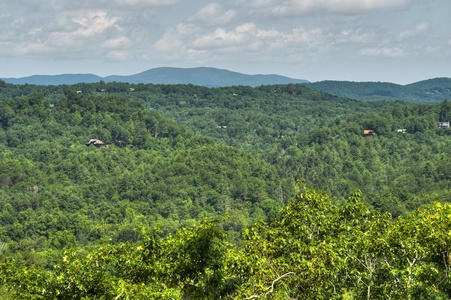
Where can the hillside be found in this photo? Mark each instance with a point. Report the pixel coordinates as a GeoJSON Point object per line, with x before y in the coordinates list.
{"type": "Point", "coordinates": [55, 192]}
{"type": "Point", "coordinates": [54, 79]}
{"type": "Point", "coordinates": [319, 137]}
{"type": "Point", "coordinates": [304, 133]}
{"type": "Point", "coordinates": [192, 195]}
{"type": "Point", "coordinates": [210, 77]}
{"type": "Point", "coordinates": [202, 76]}
{"type": "Point", "coordinates": [427, 91]}
{"type": "Point", "coordinates": [282, 123]}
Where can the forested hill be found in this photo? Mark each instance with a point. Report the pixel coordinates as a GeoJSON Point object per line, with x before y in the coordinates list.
{"type": "Point", "coordinates": [302, 133]}
{"type": "Point", "coordinates": [427, 91]}
{"type": "Point", "coordinates": [56, 192]}
{"type": "Point", "coordinates": [187, 192]}
{"type": "Point", "coordinates": [319, 137]}
{"type": "Point", "coordinates": [210, 77]}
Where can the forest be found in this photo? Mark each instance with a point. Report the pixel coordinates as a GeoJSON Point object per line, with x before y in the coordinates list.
{"type": "Point", "coordinates": [426, 91]}
{"type": "Point", "coordinates": [270, 192]}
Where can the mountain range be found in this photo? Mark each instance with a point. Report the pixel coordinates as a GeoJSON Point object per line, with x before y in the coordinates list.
{"type": "Point", "coordinates": [203, 76]}
{"type": "Point", "coordinates": [427, 91]}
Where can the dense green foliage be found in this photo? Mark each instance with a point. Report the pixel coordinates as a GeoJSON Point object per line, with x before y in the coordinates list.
{"type": "Point", "coordinates": [79, 222]}
{"type": "Point", "coordinates": [397, 171]}
{"type": "Point", "coordinates": [312, 135]}
{"type": "Point", "coordinates": [55, 192]}
{"type": "Point", "coordinates": [426, 91]}
{"type": "Point", "coordinates": [315, 250]}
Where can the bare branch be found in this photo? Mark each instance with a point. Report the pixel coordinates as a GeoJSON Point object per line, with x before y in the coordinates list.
{"type": "Point", "coordinates": [445, 259]}
{"type": "Point", "coordinates": [271, 288]}
{"type": "Point", "coordinates": [120, 295]}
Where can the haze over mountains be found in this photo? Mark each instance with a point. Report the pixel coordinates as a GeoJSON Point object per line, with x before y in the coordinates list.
{"type": "Point", "coordinates": [210, 77]}
{"type": "Point", "coordinates": [427, 91]}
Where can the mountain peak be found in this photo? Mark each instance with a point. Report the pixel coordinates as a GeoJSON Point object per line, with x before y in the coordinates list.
{"type": "Point", "coordinates": [203, 76]}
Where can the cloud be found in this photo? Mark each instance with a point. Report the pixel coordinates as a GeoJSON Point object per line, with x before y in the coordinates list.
{"type": "Point", "coordinates": [174, 38]}
{"type": "Point", "coordinates": [222, 38]}
{"type": "Point", "coordinates": [76, 33]}
{"type": "Point", "coordinates": [285, 33]}
{"type": "Point", "coordinates": [81, 29]}
{"type": "Point", "coordinates": [119, 42]}
{"type": "Point", "coordinates": [420, 29]}
{"type": "Point", "coordinates": [92, 23]}
{"type": "Point", "coordinates": [59, 6]}
{"type": "Point", "coordinates": [392, 52]}
{"type": "Point", "coordinates": [134, 3]}
{"type": "Point", "coordinates": [213, 14]}
{"type": "Point", "coordinates": [84, 28]}
{"type": "Point", "coordinates": [291, 8]}
{"type": "Point", "coordinates": [354, 36]}
{"type": "Point", "coordinates": [246, 39]}
{"type": "Point", "coordinates": [117, 55]}
{"type": "Point", "coordinates": [243, 41]}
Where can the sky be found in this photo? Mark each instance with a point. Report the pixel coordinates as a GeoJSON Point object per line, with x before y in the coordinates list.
{"type": "Point", "coordinates": [400, 41]}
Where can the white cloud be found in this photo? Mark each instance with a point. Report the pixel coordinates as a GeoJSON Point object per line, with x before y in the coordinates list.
{"type": "Point", "coordinates": [392, 52]}
{"type": "Point", "coordinates": [118, 55]}
{"type": "Point", "coordinates": [173, 39]}
{"type": "Point", "coordinates": [352, 36]}
{"type": "Point", "coordinates": [168, 42]}
{"type": "Point", "coordinates": [93, 23]}
{"type": "Point", "coordinates": [417, 31]}
{"type": "Point", "coordinates": [222, 38]}
{"type": "Point", "coordinates": [247, 38]}
{"type": "Point", "coordinates": [213, 14]}
{"type": "Point", "coordinates": [134, 3]}
{"type": "Point", "coordinates": [59, 6]}
{"type": "Point", "coordinates": [281, 33]}
{"type": "Point", "coordinates": [243, 40]}
{"type": "Point", "coordinates": [82, 29]}
{"type": "Point", "coordinates": [69, 33]}
{"type": "Point", "coordinates": [119, 42]}
{"type": "Point", "coordinates": [302, 7]}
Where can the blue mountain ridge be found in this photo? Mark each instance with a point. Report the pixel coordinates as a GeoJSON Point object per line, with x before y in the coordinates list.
{"type": "Point", "coordinates": [204, 76]}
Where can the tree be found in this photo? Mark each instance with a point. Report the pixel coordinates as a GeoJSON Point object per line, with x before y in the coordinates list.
{"type": "Point", "coordinates": [187, 265]}
{"type": "Point", "coordinates": [445, 111]}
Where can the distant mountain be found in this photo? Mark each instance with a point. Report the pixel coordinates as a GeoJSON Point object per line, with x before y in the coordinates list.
{"type": "Point", "coordinates": [55, 79]}
{"type": "Point", "coordinates": [426, 91]}
{"type": "Point", "coordinates": [203, 76]}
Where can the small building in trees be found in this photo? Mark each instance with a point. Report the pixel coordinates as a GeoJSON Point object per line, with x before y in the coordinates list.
{"type": "Point", "coordinates": [443, 124]}
{"type": "Point", "coordinates": [369, 132]}
{"type": "Point", "coordinates": [96, 143]}
{"type": "Point", "coordinates": [99, 143]}
{"type": "Point", "coordinates": [401, 130]}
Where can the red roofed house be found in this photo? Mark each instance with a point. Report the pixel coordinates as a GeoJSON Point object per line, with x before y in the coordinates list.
{"type": "Point", "coordinates": [369, 132]}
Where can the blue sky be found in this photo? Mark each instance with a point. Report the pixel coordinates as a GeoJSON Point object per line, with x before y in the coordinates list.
{"type": "Point", "coordinates": [401, 41]}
